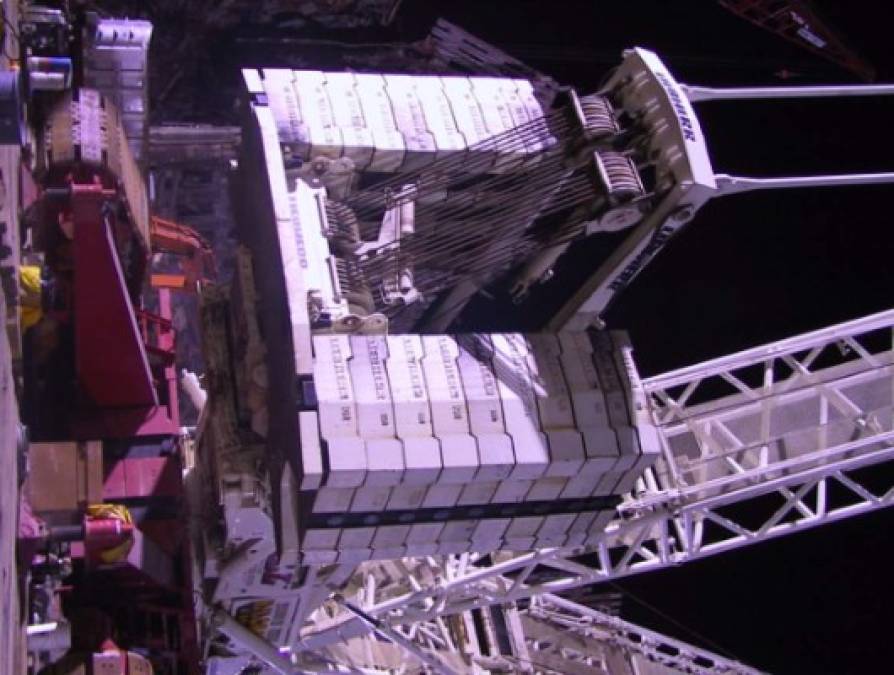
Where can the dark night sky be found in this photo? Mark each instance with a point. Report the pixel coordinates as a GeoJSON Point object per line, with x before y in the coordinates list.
{"type": "Point", "coordinates": [750, 269]}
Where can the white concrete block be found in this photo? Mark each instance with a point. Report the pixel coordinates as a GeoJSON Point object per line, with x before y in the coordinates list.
{"type": "Point", "coordinates": [454, 547]}
{"type": "Point", "coordinates": [422, 452]}
{"type": "Point", "coordinates": [335, 392]}
{"type": "Point", "coordinates": [521, 533]}
{"type": "Point", "coordinates": [372, 390]}
{"type": "Point", "coordinates": [459, 455]}
{"type": "Point", "coordinates": [597, 527]}
{"type": "Point", "coordinates": [477, 492]}
{"type": "Point", "coordinates": [579, 528]}
{"type": "Point", "coordinates": [486, 421]}
{"type": "Point", "coordinates": [390, 148]}
{"type": "Point", "coordinates": [488, 534]}
{"type": "Point", "coordinates": [519, 408]}
{"type": "Point", "coordinates": [390, 536]}
{"type": "Point", "coordinates": [457, 530]}
{"type": "Point", "coordinates": [385, 457]}
{"type": "Point", "coordinates": [556, 525]}
{"type": "Point", "coordinates": [488, 529]}
{"type": "Point", "coordinates": [410, 120]}
{"type": "Point", "coordinates": [333, 500]}
{"type": "Point", "coordinates": [525, 92]}
{"type": "Point", "coordinates": [347, 112]}
{"type": "Point", "coordinates": [315, 557]}
{"type": "Point", "coordinates": [456, 536]}
{"type": "Point", "coordinates": [408, 386]}
{"type": "Point", "coordinates": [511, 491]}
{"type": "Point", "coordinates": [584, 386]}
{"type": "Point", "coordinates": [546, 489]}
{"type": "Point", "coordinates": [404, 496]}
{"type": "Point", "coordinates": [283, 103]}
{"type": "Point", "coordinates": [356, 537]}
{"type": "Point", "coordinates": [423, 460]}
{"type": "Point", "coordinates": [469, 117]}
{"type": "Point", "coordinates": [370, 498]}
{"type": "Point", "coordinates": [445, 387]}
{"type": "Point", "coordinates": [449, 416]}
{"type": "Point", "coordinates": [354, 555]}
{"type": "Point", "coordinates": [439, 116]}
{"type": "Point", "coordinates": [311, 451]}
{"type": "Point", "coordinates": [608, 484]}
{"type": "Point", "coordinates": [421, 549]}
{"type": "Point", "coordinates": [442, 495]}
{"type": "Point", "coordinates": [601, 448]}
{"type": "Point", "coordinates": [627, 481]}
{"type": "Point", "coordinates": [649, 444]}
{"type": "Point", "coordinates": [511, 151]}
{"type": "Point", "coordinates": [612, 386]}
{"type": "Point", "coordinates": [592, 475]}
{"type": "Point", "coordinates": [566, 453]}
{"type": "Point", "coordinates": [375, 417]}
{"type": "Point", "coordinates": [325, 539]}
{"type": "Point", "coordinates": [628, 445]}
{"type": "Point", "coordinates": [423, 539]}
{"type": "Point", "coordinates": [347, 462]}
{"type": "Point", "coordinates": [554, 405]}
{"type": "Point", "coordinates": [519, 113]}
{"type": "Point", "coordinates": [316, 113]}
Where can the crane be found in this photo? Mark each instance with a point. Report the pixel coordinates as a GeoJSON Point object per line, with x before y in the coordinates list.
{"type": "Point", "coordinates": [388, 538]}
{"type": "Point", "coordinates": [374, 483]}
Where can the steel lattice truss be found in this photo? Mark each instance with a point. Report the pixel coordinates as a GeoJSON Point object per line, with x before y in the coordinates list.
{"type": "Point", "coordinates": [759, 444]}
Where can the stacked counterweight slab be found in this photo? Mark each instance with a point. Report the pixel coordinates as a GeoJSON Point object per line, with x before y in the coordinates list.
{"type": "Point", "coordinates": [396, 123]}
{"type": "Point", "coordinates": [432, 444]}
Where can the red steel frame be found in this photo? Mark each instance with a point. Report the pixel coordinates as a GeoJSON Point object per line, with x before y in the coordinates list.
{"type": "Point", "coordinates": [124, 357]}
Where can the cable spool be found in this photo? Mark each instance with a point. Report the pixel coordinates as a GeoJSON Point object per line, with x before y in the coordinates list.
{"type": "Point", "coordinates": [623, 189]}
{"type": "Point", "coordinates": [344, 228]}
{"type": "Point", "coordinates": [619, 176]}
{"type": "Point", "coordinates": [593, 124]}
{"type": "Point", "coordinates": [84, 137]}
{"type": "Point", "coordinates": [598, 116]}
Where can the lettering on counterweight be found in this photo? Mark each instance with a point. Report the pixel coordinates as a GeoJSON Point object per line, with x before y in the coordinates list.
{"type": "Point", "coordinates": [661, 237]}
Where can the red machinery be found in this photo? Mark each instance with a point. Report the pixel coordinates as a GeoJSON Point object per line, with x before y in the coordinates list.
{"type": "Point", "coordinates": [196, 257]}
{"type": "Point", "coordinates": [105, 488]}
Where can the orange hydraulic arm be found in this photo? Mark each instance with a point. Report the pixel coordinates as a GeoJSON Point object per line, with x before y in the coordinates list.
{"type": "Point", "coordinates": [196, 256]}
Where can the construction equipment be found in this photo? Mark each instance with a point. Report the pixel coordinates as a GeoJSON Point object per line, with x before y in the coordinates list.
{"type": "Point", "coordinates": [428, 476]}
{"type": "Point", "coordinates": [195, 256]}
{"type": "Point", "coordinates": [370, 488]}
{"type": "Point", "coordinates": [103, 539]}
